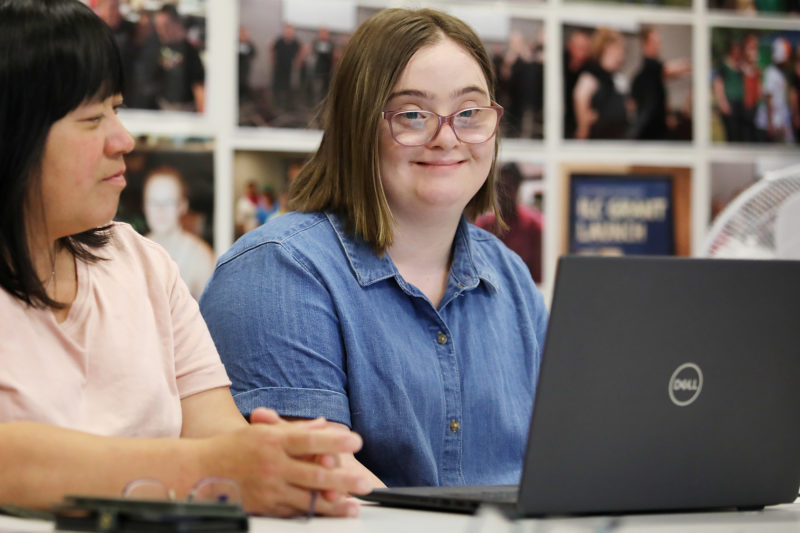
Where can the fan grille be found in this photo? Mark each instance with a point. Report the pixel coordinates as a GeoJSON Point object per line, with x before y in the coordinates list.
{"type": "Point", "coordinates": [745, 228]}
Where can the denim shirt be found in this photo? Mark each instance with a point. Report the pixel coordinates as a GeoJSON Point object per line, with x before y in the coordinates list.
{"type": "Point", "coordinates": [310, 321]}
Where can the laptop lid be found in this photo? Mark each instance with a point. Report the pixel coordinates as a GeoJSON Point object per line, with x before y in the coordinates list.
{"type": "Point", "coordinates": [666, 384]}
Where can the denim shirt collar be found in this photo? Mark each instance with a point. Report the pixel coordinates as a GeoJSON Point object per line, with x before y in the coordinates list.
{"type": "Point", "coordinates": [468, 269]}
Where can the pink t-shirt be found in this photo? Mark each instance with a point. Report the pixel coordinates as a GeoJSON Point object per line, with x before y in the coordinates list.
{"type": "Point", "coordinates": [133, 345]}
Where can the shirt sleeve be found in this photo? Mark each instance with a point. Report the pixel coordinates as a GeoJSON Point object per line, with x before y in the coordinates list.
{"type": "Point", "coordinates": [197, 364]}
{"type": "Point", "coordinates": [197, 73]}
{"type": "Point", "coordinates": [276, 329]}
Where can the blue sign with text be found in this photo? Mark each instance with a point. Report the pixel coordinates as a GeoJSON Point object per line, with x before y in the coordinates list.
{"type": "Point", "coordinates": [621, 215]}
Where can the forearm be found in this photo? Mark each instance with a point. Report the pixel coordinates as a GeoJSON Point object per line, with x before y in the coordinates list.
{"type": "Point", "coordinates": [199, 92]}
{"type": "Point", "coordinates": [41, 463]}
{"type": "Point", "coordinates": [210, 413]}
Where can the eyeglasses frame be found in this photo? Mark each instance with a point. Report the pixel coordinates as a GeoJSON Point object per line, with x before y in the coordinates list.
{"type": "Point", "coordinates": [389, 115]}
{"type": "Point", "coordinates": [170, 493]}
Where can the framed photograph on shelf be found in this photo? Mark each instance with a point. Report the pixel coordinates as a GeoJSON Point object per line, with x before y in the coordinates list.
{"type": "Point", "coordinates": [520, 189]}
{"type": "Point", "coordinates": [631, 81]}
{"type": "Point", "coordinates": [623, 210]}
{"type": "Point", "coordinates": [287, 51]}
{"type": "Point", "coordinates": [170, 200]}
{"type": "Point", "coordinates": [260, 185]}
{"type": "Point", "coordinates": [755, 86]}
{"type": "Point", "coordinates": [162, 44]}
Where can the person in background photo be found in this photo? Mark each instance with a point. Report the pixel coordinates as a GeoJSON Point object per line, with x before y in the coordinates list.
{"type": "Point", "coordinates": [600, 107]}
{"type": "Point", "coordinates": [522, 73]}
{"type": "Point", "coordinates": [246, 52]}
{"type": "Point", "coordinates": [181, 75]}
{"type": "Point", "coordinates": [374, 303]}
{"type": "Point", "coordinates": [575, 59]}
{"type": "Point", "coordinates": [285, 56]}
{"type": "Point", "coordinates": [751, 77]}
{"type": "Point", "coordinates": [125, 34]}
{"type": "Point", "coordinates": [109, 373]}
{"type": "Point", "coordinates": [165, 202]}
{"type": "Point", "coordinates": [649, 91]}
{"type": "Point", "coordinates": [794, 93]}
{"type": "Point", "coordinates": [323, 50]}
{"type": "Point", "coordinates": [773, 117]}
{"type": "Point", "coordinates": [728, 88]}
{"type": "Point", "coordinates": [524, 224]}
{"type": "Point", "coordinates": [246, 210]}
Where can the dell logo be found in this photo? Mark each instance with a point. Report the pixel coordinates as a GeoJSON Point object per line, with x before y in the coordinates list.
{"type": "Point", "coordinates": [685, 384]}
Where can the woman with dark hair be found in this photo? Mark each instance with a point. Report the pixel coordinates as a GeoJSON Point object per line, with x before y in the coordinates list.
{"type": "Point", "coordinates": [375, 304]}
{"type": "Point", "coordinates": [106, 360]}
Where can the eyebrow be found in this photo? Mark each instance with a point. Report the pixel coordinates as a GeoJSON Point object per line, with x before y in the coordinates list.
{"type": "Point", "coordinates": [429, 96]}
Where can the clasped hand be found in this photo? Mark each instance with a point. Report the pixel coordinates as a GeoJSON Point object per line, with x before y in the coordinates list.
{"type": "Point", "coordinates": [278, 464]}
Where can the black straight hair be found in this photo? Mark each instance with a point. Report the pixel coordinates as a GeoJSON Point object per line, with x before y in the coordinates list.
{"type": "Point", "coordinates": [54, 56]}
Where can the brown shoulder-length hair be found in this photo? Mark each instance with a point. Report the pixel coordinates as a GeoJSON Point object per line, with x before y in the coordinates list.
{"type": "Point", "coordinates": [343, 176]}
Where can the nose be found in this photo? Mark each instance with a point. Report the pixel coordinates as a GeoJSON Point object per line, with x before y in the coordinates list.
{"type": "Point", "coordinates": [119, 141]}
{"type": "Point", "coordinates": [445, 137]}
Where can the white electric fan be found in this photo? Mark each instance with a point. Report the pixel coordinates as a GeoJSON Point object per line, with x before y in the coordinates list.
{"type": "Point", "coordinates": [763, 222]}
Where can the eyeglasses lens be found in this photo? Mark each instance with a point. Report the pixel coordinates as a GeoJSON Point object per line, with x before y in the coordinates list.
{"type": "Point", "coordinates": [416, 128]}
{"type": "Point", "coordinates": [147, 489]}
{"type": "Point", "coordinates": [216, 490]}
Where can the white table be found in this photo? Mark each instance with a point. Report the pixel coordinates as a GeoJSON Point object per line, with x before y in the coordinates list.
{"type": "Point", "coordinates": [377, 519]}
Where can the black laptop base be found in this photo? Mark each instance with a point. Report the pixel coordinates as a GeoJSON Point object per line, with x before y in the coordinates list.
{"type": "Point", "coordinates": [467, 500]}
{"type": "Point", "coordinates": [449, 499]}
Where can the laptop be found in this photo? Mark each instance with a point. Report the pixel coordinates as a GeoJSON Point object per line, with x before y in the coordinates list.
{"type": "Point", "coordinates": [666, 384]}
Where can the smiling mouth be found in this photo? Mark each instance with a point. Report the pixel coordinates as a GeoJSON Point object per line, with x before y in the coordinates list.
{"type": "Point", "coordinates": [442, 164]}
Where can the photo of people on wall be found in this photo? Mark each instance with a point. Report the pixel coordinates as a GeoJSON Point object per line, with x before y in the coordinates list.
{"type": "Point", "coordinates": [162, 46]}
{"type": "Point", "coordinates": [288, 51]}
{"type": "Point", "coordinates": [261, 184]}
{"type": "Point", "coordinates": [286, 54]}
{"type": "Point", "coordinates": [755, 86]}
{"type": "Point", "coordinates": [627, 83]}
{"type": "Point", "coordinates": [520, 192]}
{"type": "Point", "coordinates": [170, 200]}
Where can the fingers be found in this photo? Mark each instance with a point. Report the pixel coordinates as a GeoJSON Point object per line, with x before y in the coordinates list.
{"type": "Point", "coordinates": [262, 415]}
{"type": "Point", "coordinates": [313, 476]}
{"type": "Point", "coordinates": [331, 495]}
{"type": "Point", "coordinates": [329, 461]}
{"type": "Point", "coordinates": [300, 499]}
{"type": "Point", "coordinates": [300, 441]}
{"type": "Point", "coordinates": [348, 508]}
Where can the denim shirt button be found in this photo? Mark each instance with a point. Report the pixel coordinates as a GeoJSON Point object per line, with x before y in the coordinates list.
{"type": "Point", "coordinates": [454, 426]}
{"type": "Point", "coordinates": [441, 338]}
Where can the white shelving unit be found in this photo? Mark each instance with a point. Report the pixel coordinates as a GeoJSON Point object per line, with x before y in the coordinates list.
{"type": "Point", "coordinates": [219, 122]}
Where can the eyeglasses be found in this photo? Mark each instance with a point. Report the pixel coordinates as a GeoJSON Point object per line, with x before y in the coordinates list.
{"type": "Point", "coordinates": [210, 489]}
{"type": "Point", "coordinates": [418, 127]}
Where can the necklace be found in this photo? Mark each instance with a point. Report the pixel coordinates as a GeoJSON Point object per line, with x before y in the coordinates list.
{"type": "Point", "coordinates": [52, 272]}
